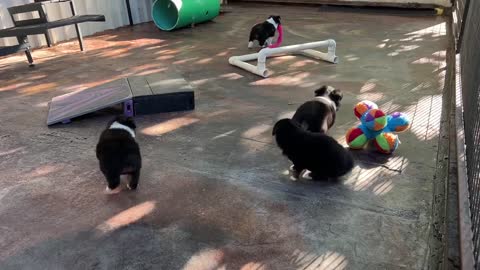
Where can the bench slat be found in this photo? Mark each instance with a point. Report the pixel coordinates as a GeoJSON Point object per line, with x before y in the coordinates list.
{"type": "Point", "coordinates": [75, 20]}
{"type": "Point", "coordinates": [25, 8]}
{"type": "Point", "coordinates": [41, 28]}
{"type": "Point", "coordinates": [30, 22]}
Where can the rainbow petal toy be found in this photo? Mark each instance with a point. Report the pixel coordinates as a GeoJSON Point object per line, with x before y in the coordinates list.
{"type": "Point", "coordinates": [376, 126]}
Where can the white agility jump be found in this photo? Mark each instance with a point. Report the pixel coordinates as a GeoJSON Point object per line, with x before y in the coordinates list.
{"type": "Point", "coordinates": [304, 49]}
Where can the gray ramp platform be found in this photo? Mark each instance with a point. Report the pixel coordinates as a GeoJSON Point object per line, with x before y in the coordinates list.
{"type": "Point", "coordinates": [161, 92]}
{"type": "Point", "coordinates": [156, 93]}
{"type": "Point", "coordinates": [65, 107]}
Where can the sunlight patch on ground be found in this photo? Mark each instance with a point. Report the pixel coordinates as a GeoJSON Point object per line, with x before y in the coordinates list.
{"type": "Point", "coordinates": [285, 80]}
{"type": "Point", "coordinates": [43, 170]}
{"type": "Point", "coordinates": [207, 259]}
{"type": "Point", "coordinates": [253, 266]}
{"type": "Point", "coordinates": [225, 134]}
{"type": "Point", "coordinates": [375, 97]}
{"type": "Point", "coordinates": [329, 260]}
{"type": "Point", "coordinates": [168, 126]}
{"type": "Point", "coordinates": [403, 48]}
{"type": "Point", "coordinates": [252, 147]}
{"type": "Point", "coordinates": [256, 130]}
{"type": "Point", "coordinates": [303, 63]}
{"type": "Point", "coordinates": [13, 86]}
{"type": "Point", "coordinates": [369, 85]}
{"type": "Point", "coordinates": [127, 217]}
{"type": "Point", "coordinates": [231, 76]}
{"type": "Point", "coordinates": [184, 61]}
{"type": "Point", "coordinates": [38, 88]}
{"type": "Point", "coordinates": [425, 117]}
{"type": "Point", "coordinates": [376, 178]}
{"type": "Point", "coordinates": [434, 31]}
{"type": "Point", "coordinates": [12, 151]}
{"type": "Point", "coordinates": [204, 60]}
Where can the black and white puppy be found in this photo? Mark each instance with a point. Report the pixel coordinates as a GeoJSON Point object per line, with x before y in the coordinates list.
{"type": "Point", "coordinates": [318, 115]}
{"type": "Point", "coordinates": [264, 32]}
{"type": "Point", "coordinates": [319, 153]}
{"type": "Point", "coordinates": [119, 153]}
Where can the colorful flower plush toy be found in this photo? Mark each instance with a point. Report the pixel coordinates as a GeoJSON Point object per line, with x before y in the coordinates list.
{"type": "Point", "coordinates": [376, 126]}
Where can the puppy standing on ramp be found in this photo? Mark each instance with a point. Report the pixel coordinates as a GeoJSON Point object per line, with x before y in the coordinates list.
{"type": "Point", "coordinates": [119, 153]}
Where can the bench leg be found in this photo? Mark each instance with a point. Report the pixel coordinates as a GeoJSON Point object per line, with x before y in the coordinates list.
{"type": "Point", "coordinates": [29, 57]}
{"type": "Point", "coordinates": [79, 36]}
{"type": "Point", "coordinates": [77, 27]}
{"type": "Point", "coordinates": [129, 12]}
{"type": "Point", "coordinates": [24, 40]}
{"type": "Point", "coordinates": [47, 38]}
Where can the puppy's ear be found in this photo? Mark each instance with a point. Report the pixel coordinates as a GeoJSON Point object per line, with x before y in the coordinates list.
{"type": "Point", "coordinates": [277, 19]}
{"type": "Point", "coordinates": [118, 118]}
{"type": "Point", "coordinates": [336, 96]}
{"type": "Point", "coordinates": [321, 91]}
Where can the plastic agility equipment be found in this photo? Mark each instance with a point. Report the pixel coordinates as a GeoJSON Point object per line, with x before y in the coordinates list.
{"type": "Point", "coordinates": [304, 49]}
{"type": "Point", "coordinates": [173, 14]}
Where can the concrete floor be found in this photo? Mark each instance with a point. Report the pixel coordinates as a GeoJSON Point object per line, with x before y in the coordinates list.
{"type": "Point", "coordinates": [213, 192]}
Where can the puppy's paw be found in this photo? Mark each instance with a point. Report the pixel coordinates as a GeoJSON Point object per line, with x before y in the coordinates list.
{"type": "Point", "coordinates": [293, 178]}
{"type": "Point", "coordinates": [307, 175]}
{"type": "Point", "coordinates": [112, 191]}
{"type": "Point", "coordinates": [250, 44]}
{"type": "Point", "coordinates": [292, 168]}
{"type": "Point", "coordinates": [295, 175]}
{"type": "Point", "coordinates": [130, 187]}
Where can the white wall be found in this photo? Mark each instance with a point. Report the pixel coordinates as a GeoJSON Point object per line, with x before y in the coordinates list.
{"type": "Point", "coordinates": [115, 12]}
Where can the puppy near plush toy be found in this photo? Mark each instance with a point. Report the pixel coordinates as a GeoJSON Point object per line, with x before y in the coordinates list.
{"type": "Point", "coordinates": [319, 153]}
{"type": "Point", "coordinates": [318, 115]}
{"type": "Point", "coordinates": [119, 154]}
{"type": "Point", "coordinates": [264, 32]}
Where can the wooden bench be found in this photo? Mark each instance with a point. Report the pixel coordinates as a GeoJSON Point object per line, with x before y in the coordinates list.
{"type": "Point", "coordinates": [40, 25]}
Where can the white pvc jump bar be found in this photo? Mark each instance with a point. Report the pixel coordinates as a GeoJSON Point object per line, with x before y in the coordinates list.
{"type": "Point", "coordinates": [304, 49]}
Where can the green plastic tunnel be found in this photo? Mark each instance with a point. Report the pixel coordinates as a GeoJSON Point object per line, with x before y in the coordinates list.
{"type": "Point", "coordinates": [173, 14]}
